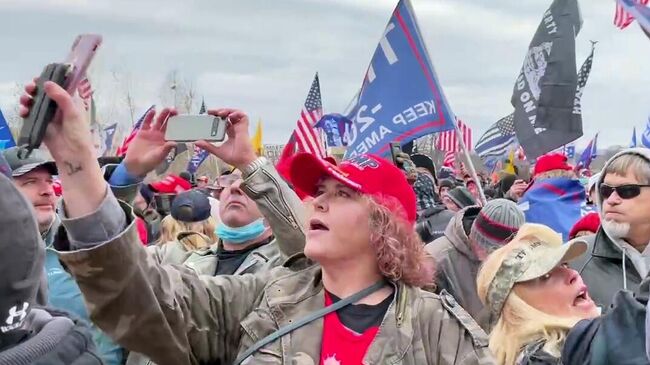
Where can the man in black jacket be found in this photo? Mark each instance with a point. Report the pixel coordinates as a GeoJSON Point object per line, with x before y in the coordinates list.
{"type": "Point", "coordinates": [30, 334]}
{"type": "Point", "coordinates": [616, 258]}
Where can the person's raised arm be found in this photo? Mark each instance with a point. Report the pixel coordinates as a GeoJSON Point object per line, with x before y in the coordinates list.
{"type": "Point", "coordinates": [278, 203]}
{"type": "Point", "coordinates": [165, 312]}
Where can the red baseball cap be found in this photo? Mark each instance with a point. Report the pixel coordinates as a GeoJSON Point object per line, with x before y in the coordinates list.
{"type": "Point", "coordinates": [369, 174]}
{"type": "Point", "coordinates": [172, 184]}
{"type": "Point", "coordinates": [550, 162]}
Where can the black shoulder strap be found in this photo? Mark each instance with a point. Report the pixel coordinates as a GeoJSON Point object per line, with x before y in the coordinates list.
{"type": "Point", "coordinates": [310, 318]}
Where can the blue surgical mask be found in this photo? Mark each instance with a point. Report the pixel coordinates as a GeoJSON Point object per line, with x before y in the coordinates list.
{"type": "Point", "coordinates": [239, 235]}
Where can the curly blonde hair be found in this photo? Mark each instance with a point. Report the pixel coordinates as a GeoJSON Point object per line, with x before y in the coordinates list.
{"type": "Point", "coordinates": [400, 251]}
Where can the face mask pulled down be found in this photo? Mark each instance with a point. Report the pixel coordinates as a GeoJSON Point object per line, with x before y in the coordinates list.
{"type": "Point", "coordinates": [240, 235]}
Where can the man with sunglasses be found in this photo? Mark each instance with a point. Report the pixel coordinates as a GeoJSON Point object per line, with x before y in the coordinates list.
{"type": "Point", "coordinates": [617, 254]}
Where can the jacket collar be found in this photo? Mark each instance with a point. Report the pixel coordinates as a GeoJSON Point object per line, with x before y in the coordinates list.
{"type": "Point", "coordinates": [604, 247]}
{"type": "Point", "coordinates": [205, 262]}
{"type": "Point", "coordinates": [288, 304]}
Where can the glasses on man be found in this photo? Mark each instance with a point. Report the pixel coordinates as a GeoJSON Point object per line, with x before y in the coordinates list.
{"type": "Point", "coordinates": [627, 191]}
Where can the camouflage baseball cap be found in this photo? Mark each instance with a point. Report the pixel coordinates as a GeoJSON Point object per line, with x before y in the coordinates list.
{"type": "Point", "coordinates": [531, 261]}
{"type": "Point", "coordinates": [21, 166]}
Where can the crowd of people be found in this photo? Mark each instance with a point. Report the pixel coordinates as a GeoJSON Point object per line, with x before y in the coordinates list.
{"type": "Point", "coordinates": [378, 263]}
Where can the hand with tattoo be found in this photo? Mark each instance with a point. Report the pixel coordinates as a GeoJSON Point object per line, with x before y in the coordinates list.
{"type": "Point", "coordinates": [70, 143]}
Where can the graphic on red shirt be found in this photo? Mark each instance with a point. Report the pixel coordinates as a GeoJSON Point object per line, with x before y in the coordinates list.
{"type": "Point", "coordinates": [341, 346]}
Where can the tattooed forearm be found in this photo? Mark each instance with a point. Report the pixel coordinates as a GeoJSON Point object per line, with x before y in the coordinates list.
{"type": "Point", "coordinates": [72, 168]}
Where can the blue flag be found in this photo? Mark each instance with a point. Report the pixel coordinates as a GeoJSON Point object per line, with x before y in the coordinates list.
{"type": "Point", "coordinates": [570, 151]}
{"type": "Point", "coordinates": [336, 128]}
{"type": "Point", "coordinates": [6, 138]}
{"type": "Point", "coordinates": [400, 98]}
{"type": "Point", "coordinates": [590, 152]}
{"type": "Point", "coordinates": [633, 141]}
{"type": "Point", "coordinates": [197, 159]}
{"type": "Point", "coordinates": [557, 203]}
{"type": "Point", "coordinates": [109, 133]}
{"type": "Point", "coordinates": [645, 138]}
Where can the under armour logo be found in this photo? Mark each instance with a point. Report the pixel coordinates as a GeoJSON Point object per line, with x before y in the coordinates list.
{"type": "Point", "coordinates": [14, 314]}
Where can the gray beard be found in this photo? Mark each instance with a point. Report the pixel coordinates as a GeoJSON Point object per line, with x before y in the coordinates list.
{"type": "Point", "coordinates": [615, 229]}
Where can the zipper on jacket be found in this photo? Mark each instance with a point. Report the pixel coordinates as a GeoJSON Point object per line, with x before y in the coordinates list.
{"type": "Point", "coordinates": [288, 217]}
{"type": "Point", "coordinates": [401, 307]}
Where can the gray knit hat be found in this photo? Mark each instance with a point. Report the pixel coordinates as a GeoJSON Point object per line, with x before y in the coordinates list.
{"type": "Point", "coordinates": [496, 224]}
{"type": "Point", "coordinates": [461, 197]}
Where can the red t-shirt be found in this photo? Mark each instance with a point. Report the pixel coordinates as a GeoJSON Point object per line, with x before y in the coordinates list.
{"type": "Point", "coordinates": [340, 345]}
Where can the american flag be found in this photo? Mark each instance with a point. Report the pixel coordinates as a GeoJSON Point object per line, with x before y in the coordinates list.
{"type": "Point", "coordinates": [121, 151]}
{"type": "Point", "coordinates": [498, 139]}
{"type": "Point", "coordinates": [304, 138]}
{"type": "Point", "coordinates": [307, 139]}
{"type": "Point", "coordinates": [621, 17]}
{"type": "Point", "coordinates": [85, 91]}
{"type": "Point", "coordinates": [448, 142]}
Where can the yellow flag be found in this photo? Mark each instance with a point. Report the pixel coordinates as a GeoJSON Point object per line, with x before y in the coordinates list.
{"type": "Point", "coordinates": [257, 139]}
{"type": "Point", "coordinates": [509, 166]}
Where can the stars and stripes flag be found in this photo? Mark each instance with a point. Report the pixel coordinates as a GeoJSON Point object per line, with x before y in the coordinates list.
{"type": "Point", "coordinates": [121, 151]}
{"type": "Point", "coordinates": [448, 142]}
{"type": "Point", "coordinates": [86, 92]}
{"type": "Point", "coordinates": [497, 141]}
{"type": "Point", "coordinates": [304, 137]}
{"type": "Point", "coordinates": [622, 18]}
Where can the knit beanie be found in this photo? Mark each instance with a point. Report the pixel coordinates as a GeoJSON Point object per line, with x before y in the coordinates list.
{"type": "Point", "coordinates": [21, 262]}
{"type": "Point", "coordinates": [496, 224]}
{"type": "Point", "coordinates": [590, 223]}
{"type": "Point", "coordinates": [461, 197]}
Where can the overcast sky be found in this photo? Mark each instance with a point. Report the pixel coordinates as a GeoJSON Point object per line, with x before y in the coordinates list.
{"type": "Point", "coordinates": [261, 55]}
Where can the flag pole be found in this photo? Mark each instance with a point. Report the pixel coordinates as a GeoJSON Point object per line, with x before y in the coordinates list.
{"type": "Point", "coordinates": [470, 164]}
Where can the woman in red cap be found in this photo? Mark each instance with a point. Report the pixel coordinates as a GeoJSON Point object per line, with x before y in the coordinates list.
{"type": "Point", "coordinates": [360, 303]}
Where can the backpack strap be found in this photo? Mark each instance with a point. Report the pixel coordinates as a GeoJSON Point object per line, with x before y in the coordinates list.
{"type": "Point", "coordinates": [308, 319]}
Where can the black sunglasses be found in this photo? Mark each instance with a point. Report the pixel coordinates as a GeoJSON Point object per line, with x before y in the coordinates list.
{"type": "Point", "coordinates": [627, 191]}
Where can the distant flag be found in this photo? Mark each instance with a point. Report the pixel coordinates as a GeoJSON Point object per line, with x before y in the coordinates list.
{"type": "Point", "coordinates": [257, 139]}
{"type": "Point", "coordinates": [197, 159]}
{"type": "Point", "coordinates": [623, 16]}
{"type": "Point", "coordinates": [645, 138]}
{"type": "Point", "coordinates": [570, 151]}
{"type": "Point", "coordinates": [304, 138]}
{"type": "Point", "coordinates": [203, 110]}
{"type": "Point", "coordinates": [109, 134]}
{"type": "Point", "coordinates": [448, 142]}
{"type": "Point", "coordinates": [509, 166]}
{"type": "Point", "coordinates": [633, 141]}
{"type": "Point", "coordinates": [497, 140]}
{"type": "Point", "coordinates": [6, 138]}
{"type": "Point", "coordinates": [583, 75]}
{"type": "Point", "coordinates": [521, 154]}
{"type": "Point", "coordinates": [121, 151]}
{"type": "Point", "coordinates": [336, 128]}
{"type": "Point", "coordinates": [590, 152]}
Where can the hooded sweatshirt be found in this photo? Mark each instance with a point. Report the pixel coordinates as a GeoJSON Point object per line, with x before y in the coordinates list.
{"type": "Point", "coordinates": [457, 265]}
{"type": "Point", "coordinates": [610, 263]}
{"type": "Point", "coordinates": [30, 334]}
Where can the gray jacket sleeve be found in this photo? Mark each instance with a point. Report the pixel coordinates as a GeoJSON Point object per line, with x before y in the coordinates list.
{"type": "Point", "coordinates": [280, 206]}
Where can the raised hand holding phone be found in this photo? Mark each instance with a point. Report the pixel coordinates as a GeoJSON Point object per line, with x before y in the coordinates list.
{"type": "Point", "coordinates": [238, 150]}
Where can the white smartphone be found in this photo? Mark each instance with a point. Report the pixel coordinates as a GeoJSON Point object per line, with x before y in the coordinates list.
{"type": "Point", "coordinates": [190, 128]}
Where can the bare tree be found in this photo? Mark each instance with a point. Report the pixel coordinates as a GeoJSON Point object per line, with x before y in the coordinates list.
{"type": "Point", "coordinates": [178, 91]}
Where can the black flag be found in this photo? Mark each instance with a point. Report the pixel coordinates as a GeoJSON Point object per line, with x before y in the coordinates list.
{"type": "Point", "coordinates": [545, 91]}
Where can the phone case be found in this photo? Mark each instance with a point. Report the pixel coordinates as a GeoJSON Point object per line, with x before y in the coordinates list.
{"type": "Point", "coordinates": [42, 111]}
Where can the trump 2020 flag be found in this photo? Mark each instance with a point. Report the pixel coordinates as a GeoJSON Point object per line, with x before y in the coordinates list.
{"type": "Point", "coordinates": [645, 138]}
{"type": "Point", "coordinates": [6, 138]}
{"type": "Point", "coordinates": [197, 159]}
{"type": "Point", "coordinates": [400, 98]}
{"type": "Point", "coordinates": [557, 203]}
{"type": "Point", "coordinates": [546, 116]}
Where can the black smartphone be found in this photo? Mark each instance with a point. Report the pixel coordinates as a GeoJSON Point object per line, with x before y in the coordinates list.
{"type": "Point", "coordinates": [395, 150]}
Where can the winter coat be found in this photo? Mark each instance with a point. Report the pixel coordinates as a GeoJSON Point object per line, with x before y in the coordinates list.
{"type": "Point", "coordinates": [457, 266]}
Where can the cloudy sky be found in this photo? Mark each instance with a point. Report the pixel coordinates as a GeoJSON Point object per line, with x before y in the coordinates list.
{"type": "Point", "coordinates": [261, 55]}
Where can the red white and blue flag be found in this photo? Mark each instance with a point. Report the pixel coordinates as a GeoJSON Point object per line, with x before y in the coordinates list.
{"type": "Point", "coordinates": [121, 151]}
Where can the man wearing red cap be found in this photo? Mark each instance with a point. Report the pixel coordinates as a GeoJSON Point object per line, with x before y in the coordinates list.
{"type": "Point", "coordinates": [555, 198]}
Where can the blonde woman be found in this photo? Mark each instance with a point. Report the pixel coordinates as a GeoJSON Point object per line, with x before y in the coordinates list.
{"type": "Point", "coordinates": [190, 227]}
{"type": "Point", "coordinates": [545, 314]}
